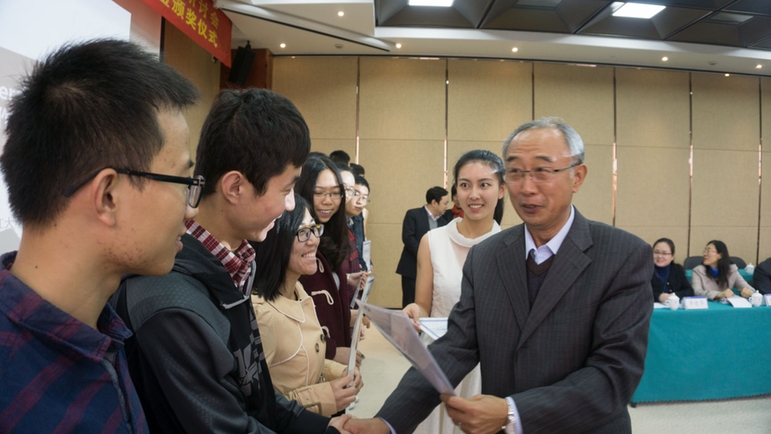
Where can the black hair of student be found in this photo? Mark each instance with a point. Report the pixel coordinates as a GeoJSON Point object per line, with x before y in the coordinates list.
{"type": "Point", "coordinates": [723, 264]}
{"type": "Point", "coordinates": [334, 243]}
{"type": "Point", "coordinates": [668, 242]}
{"type": "Point", "coordinates": [494, 162]}
{"type": "Point", "coordinates": [274, 252]}
{"type": "Point", "coordinates": [340, 157]}
{"type": "Point", "coordinates": [435, 194]}
{"type": "Point", "coordinates": [453, 191]}
{"type": "Point", "coordinates": [85, 107]}
{"type": "Point", "coordinates": [256, 132]}
{"type": "Point", "coordinates": [357, 169]}
{"type": "Point", "coordinates": [360, 180]}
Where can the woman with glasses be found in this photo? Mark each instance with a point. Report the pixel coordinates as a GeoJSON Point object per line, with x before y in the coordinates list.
{"type": "Point", "coordinates": [717, 274]}
{"type": "Point", "coordinates": [292, 338]}
{"type": "Point", "coordinates": [668, 277]}
{"type": "Point", "coordinates": [479, 180]}
{"type": "Point", "coordinates": [322, 187]}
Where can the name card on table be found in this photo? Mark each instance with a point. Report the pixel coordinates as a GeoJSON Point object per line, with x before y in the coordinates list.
{"type": "Point", "coordinates": [767, 299]}
{"type": "Point", "coordinates": [695, 302]}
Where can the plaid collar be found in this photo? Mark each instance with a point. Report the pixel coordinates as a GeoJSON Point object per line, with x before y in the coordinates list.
{"type": "Point", "coordinates": [236, 262]}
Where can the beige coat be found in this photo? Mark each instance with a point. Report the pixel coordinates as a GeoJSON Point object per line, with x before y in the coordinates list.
{"type": "Point", "coordinates": [294, 350]}
{"type": "Point", "coordinates": [707, 285]}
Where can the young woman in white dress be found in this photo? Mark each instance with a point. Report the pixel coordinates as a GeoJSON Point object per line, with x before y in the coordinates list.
{"type": "Point", "coordinates": [478, 178]}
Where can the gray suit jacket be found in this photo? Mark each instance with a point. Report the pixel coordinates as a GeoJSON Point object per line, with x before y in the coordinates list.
{"type": "Point", "coordinates": [571, 363]}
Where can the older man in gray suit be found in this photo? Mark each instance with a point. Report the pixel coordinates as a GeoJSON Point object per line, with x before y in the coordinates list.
{"type": "Point", "coordinates": [556, 310]}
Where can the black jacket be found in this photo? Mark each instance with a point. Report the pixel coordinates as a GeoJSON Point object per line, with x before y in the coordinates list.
{"type": "Point", "coordinates": [415, 225]}
{"type": "Point", "coordinates": [676, 282]}
{"type": "Point", "coordinates": [761, 279]}
{"type": "Point", "coordinates": [194, 356]}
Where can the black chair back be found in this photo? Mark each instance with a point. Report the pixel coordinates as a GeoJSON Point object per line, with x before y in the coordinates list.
{"type": "Point", "coordinates": [692, 261]}
{"type": "Point", "coordinates": [738, 261]}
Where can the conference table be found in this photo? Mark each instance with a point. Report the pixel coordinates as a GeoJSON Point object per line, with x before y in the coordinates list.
{"type": "Point", "coordinates": [718, 353]}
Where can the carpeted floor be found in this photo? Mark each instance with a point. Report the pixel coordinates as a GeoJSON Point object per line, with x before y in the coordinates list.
{"type": "Point", "coordinates": [383, 367]}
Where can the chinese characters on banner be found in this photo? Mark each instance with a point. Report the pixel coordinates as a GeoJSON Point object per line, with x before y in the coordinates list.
{"type": "Point", "coordinates": [208, 27]}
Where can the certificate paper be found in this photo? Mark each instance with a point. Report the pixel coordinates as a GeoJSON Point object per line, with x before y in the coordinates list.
{"type": "Point", "coordinates": [435, 328]}
{"type": "Point", "coordinates": [365, 292]}
{"type": "Point", "coordinates": [366, 255]}
{"type": "Point", "coordinates": [399, 331]}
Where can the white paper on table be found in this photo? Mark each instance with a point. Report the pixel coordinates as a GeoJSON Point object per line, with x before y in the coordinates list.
{"type": "Point", "coordinates": [737, 301]}
{"type": "Point", "coordinates": [657, 305]}
{"type": "Point", "coordinates": [435, 328]}
{"type": "Point", "coordinates": [364, 292]}
{"type": "Point", "coordinates": [398, 329]}
{"type": "Point", "coordinates": [366, 255]}
{"type": "Point", "coordinates": [354, 344]}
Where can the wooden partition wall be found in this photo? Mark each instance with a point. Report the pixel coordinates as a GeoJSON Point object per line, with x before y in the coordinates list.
{"type": "Point", "coordinates": [670, 153]}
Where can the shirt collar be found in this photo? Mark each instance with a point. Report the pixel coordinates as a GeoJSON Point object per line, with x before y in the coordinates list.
{"type": "Point", "coordinates": [430, 215]}
{"type": "Point", "coordinates": [550, 248]}
{"type": "Point", "coordinates": [236, 263]}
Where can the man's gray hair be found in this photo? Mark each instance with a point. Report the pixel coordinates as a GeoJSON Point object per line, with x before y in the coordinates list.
{"type": "Point", "coordinates": [575, 144]}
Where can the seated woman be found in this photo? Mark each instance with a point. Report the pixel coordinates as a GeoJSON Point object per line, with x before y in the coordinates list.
{"type": "Point", "coordinates": [717, 274]}
{"type": "Point", "coordinates": [292, 338]}
{"type": "Point", "coordinates": [668, 277]}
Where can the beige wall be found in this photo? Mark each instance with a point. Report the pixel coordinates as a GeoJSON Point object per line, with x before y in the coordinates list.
{"type": "Point", "coordinates": [195, 63]}
{"type": "Point", "coordinates": [409, 108]}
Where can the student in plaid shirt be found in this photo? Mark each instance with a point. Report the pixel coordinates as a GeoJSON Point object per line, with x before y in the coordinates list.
{"type": "Point", "coordinates": [96, 164]}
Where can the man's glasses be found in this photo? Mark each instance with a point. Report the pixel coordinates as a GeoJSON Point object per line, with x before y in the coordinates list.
{"type": "Point", "coordinates": [321, 194]}
{"type": "Point", "coordinates": [539, 174]}
{"type": "Point", "coordinates": [194, 185]}
{"type": "Point", "coordinates": [357, 196]}
{"type": "Point", "coordinates": [304, 234]}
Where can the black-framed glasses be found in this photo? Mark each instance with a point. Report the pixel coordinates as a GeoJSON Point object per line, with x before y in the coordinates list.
{"type": "Point", "coordinates": [539, 174]}
{"type": "Point", "coordinates": [304, 234]}
{"type": "Point", "coordinates": [194, 185]}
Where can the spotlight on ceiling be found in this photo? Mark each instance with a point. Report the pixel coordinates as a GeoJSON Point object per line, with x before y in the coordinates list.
{"type": "Point", "coordinates": [436, 3]}
{"type": "Point", "coordinates": [635, 10]}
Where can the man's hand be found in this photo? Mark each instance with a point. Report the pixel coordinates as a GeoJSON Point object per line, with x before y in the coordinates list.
{"type": "Point", "coordinates": [481, 414]}
{"type": "Point", "coordinates": [367, 426]}
{"type": "Point", "coordinates": [339, 423]}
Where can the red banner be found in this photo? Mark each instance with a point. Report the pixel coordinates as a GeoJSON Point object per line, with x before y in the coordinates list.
{"type": "Point", "coordinates": [208, 27]}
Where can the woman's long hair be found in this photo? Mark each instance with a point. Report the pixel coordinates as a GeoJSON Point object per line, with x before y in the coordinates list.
{"type": "Point", "coordinates": [274, 252]}
{"type": "Point", "coordinates": [334, 243]}
{"type": "Point", "coordinates": [491, 160]}
{"type": "Point", "coordinates": [723, 264]}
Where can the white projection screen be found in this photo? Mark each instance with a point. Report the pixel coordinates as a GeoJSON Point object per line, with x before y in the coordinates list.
{"type": "Point", "coordinates": [30, 29]}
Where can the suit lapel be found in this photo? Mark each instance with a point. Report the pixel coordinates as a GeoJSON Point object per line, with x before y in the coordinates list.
{"type": "Point", "coordinates": [511, 262]}
{"type": "Point", "coordinates": [568, 264]}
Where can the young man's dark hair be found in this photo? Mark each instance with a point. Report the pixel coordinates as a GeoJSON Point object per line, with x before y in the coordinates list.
{"type": "Point", "coordinates": [74, 118]}
{"type": "Point", "coordinates": [239, 126]}
{"type": "Point", "coordinates": [435, 194]}
{"type": "Point", "coordinates": [97, 166]}
{"type": "Point", "coordinates": [360, 180]}
{"type": "Point", "coordinates": [357, 169]}
{"type": "Point", "coordinates": [340, 157]}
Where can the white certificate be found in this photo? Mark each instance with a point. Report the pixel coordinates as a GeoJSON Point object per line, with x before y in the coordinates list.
{"type": "Point", "coordinates": [366, 255]}
{"type": "Point", "coordinates": [399, 331]}
{"type": "Point", "coordinates": [435, 328]}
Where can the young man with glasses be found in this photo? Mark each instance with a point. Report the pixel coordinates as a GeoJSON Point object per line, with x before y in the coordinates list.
{"type": "Point", "coordinates": [196, 355]}
{"type": "Point", "coordinates": [101, 191]}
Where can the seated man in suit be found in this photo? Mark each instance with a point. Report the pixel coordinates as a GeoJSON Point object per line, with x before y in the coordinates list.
{"type": "Point", "coordinates": [416, 223]}
{"type": "Point", "coordinates": [556, 310]}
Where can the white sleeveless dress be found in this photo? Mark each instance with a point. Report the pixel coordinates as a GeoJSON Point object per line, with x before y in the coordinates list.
{"type": "Point", "coordinates": [448, 253]}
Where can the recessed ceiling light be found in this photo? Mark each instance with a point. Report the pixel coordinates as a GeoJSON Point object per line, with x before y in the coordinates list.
{"type": "Point", "coordinates": [664, 59]}
{"type": "Point", "coordinates": [341, 14]}
{"type": "Point", "coordinates": [514, 50]}
{"type": "Point", "coordinates": [728, 75]}
{"type": "Point", "coordinates": [282, 45]}
{"type": "Point", "coordinates": [635, 10]}
{"type": "Point", "coordinates": [398, 45]}
{"type": "Point", "coordinates": [759, 66]}
{"type": "Point", "coordinates": [438, 3]}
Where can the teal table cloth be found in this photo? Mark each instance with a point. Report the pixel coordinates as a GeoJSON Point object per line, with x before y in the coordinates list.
{"type": "Point", "coordinates": [718, 353]}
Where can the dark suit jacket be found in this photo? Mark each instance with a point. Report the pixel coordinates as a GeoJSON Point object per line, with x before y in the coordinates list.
{"type": "Point", "coordinates": [573, 362]}
{"type": "Point", "coordinates": [761, 279]}
{"type": "Point", "coordinates": [415, 225]}
{"type": "Point", "coordinates": [676, 283]}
